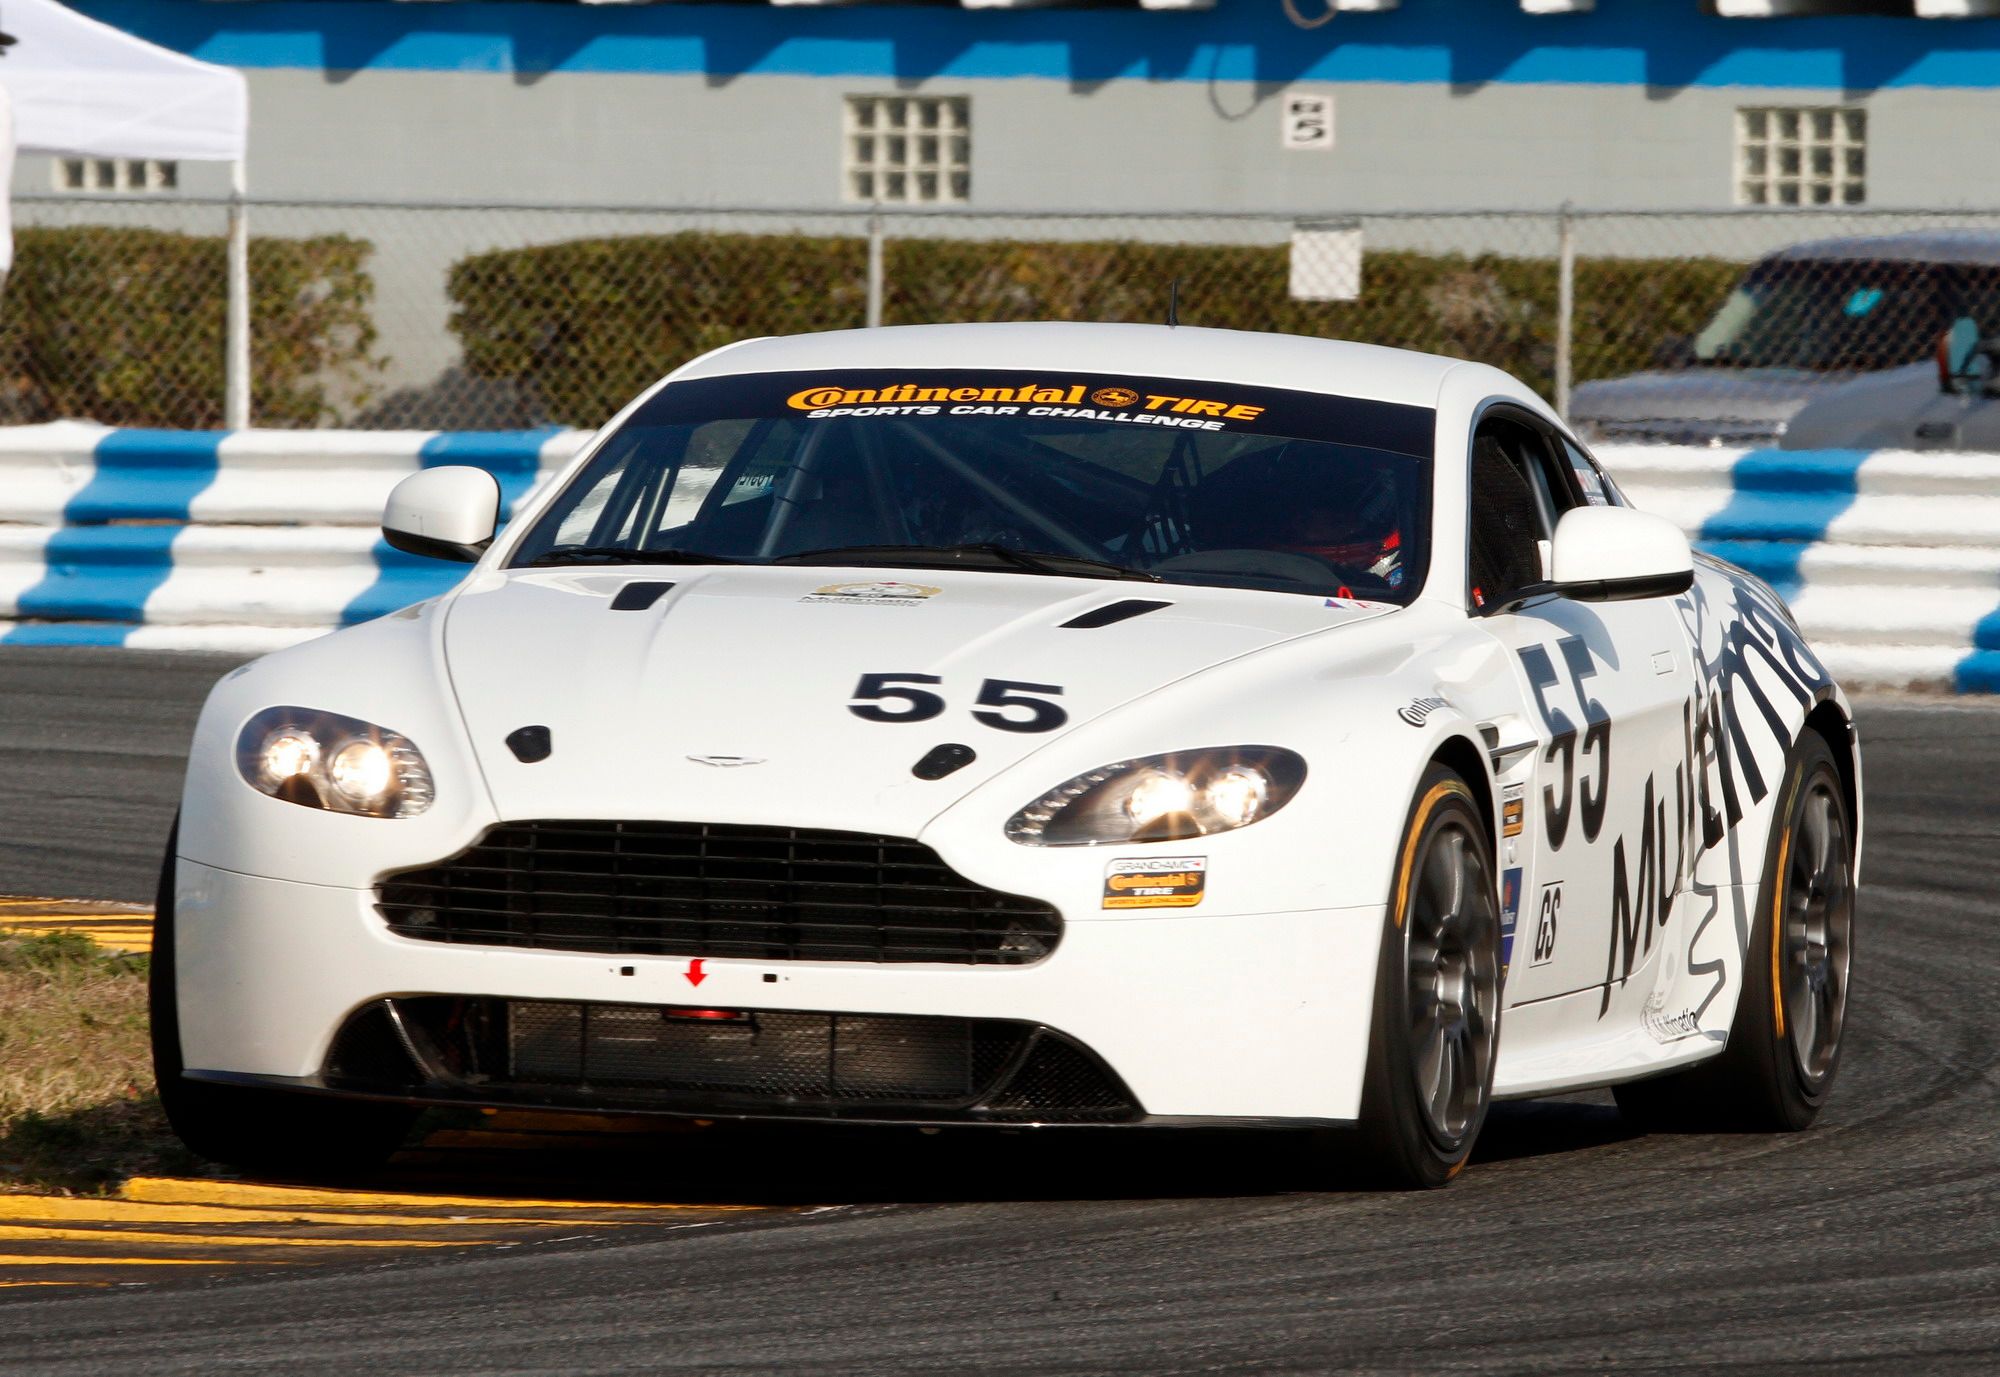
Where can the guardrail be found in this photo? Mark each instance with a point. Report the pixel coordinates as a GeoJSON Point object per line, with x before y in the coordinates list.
{"type": "Point", "coordinates": [242, 541]}
{"type": "Point", "coordinates": [252, 540]}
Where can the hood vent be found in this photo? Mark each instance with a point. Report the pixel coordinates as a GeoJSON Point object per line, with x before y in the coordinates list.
{"type": "Point", "coordinates": [1113, 612]}
{"type": "Point", "coordinates": [637, 597]}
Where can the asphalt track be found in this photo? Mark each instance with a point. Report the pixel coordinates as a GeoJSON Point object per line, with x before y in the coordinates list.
{"type": "Point", "coordinates": [1871, 1243]}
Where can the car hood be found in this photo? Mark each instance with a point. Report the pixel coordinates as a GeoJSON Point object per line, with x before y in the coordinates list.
{"type": "Point", "coordinates": [1698, 405]}
{"type": "Point", "coordinates": [727, 699]}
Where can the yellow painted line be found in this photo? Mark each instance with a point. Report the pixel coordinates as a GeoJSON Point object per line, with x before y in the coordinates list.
{"type": "Point", "coordinates": [28, 1233]}
{"type": "Point", "coordinates": [5, 1284]}
{"type": "Point", "coordinates": [121, 934]}
{"type": "Point", "coordinates": [104, 937]}
{"type": "Point", "coordinates": [93, 1210]}
{"type": "Point", "coordinates": [37, 917]}
{"type": "Point", "coordinates": [52, 1260]}
{"type": "Point", "coordinates": [171, 1190]}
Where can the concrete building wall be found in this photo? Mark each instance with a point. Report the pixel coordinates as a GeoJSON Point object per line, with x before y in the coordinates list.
{"type": "Point", "coordinates": [1441, 105]}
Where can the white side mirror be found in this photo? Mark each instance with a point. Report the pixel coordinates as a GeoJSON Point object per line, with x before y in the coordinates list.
{"type": "Point", "coordinates": [443, 513]}
{"type": "Point", "coordinates": [1610, 554]}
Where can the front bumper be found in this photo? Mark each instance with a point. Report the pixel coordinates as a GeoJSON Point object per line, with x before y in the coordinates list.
{"type": "Point", "coordinates": [1255, 1017]}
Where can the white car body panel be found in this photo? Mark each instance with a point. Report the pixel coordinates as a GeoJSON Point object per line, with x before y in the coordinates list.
{"type": "Point", "coordinates": [1254, 1005]}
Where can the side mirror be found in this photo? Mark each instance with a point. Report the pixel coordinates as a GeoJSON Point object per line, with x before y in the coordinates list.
{"type": "Point", "coordinates": [1961, 361]}
{"type": "Point", "coordinates": [1611, 554]}
{"type": "Point", "coordinates": [444, 513]}
{"type": "Point", "coordinates": [1964, 361]}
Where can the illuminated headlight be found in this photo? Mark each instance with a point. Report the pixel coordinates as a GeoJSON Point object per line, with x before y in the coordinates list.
{"type": "Point", "coordinates": [323, 760]}
{"type": "Point", "coordinates": [1163, 798]}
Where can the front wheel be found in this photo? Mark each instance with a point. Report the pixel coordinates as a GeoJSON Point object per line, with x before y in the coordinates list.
{"type": "Point", "coordinates": [1784, 1044]}
{"type": "Point", "coordinates": [1437, 995]}
{"type": "Point", "coordinates": [256, 1130]}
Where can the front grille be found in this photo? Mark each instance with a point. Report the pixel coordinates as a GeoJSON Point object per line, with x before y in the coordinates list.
{"type": "Point", "coordinates": [753, 1062]}
{"type": "Point", "coordinates": [710, 889]}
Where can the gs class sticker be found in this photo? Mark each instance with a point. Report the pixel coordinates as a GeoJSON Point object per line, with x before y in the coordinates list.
{"type": "Point", "coordinates": [1155, 882]}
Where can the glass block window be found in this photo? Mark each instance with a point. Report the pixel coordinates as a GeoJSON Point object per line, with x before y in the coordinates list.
{"type": "Point", "coordinates": [908, 150]}
{"type": "Point", "coordinates": [138, 175]}
{"type": "Point", "coordinates": [1801, 155]}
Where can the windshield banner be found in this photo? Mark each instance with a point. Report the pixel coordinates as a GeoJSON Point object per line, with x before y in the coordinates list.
{"type": "Point", "coordinates": [1178, 403]}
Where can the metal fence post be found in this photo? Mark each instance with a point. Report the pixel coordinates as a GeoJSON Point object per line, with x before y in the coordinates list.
{"type": "Point", "coordinates": [1565, 303]}
{"type": "Point", "coordinates": [874, 269]}
{"type": "Point", "coordinates": [236, 368]}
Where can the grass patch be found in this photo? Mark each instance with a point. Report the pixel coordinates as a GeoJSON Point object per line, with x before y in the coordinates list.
{"type": "Point", "coordinates": [77, 1108]}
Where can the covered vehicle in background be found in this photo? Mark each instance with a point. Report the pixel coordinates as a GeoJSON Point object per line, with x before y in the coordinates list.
{"type": "Point", "coordinates": [1829, 344]}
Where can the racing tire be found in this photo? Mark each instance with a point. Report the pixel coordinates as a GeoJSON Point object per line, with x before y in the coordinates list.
{"type": "Point", "coordinates": [1778, 1067]}
{"type": "Point", "coordinates": [265, 1132]}
{"type": "Point", "coordinates": [1436, 1028]}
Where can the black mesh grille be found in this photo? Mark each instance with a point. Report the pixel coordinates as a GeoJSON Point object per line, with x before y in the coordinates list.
{"type": "Point", "coordinates": [638, 1056]}
{"type": "Point", "coordinates": [708, 889]}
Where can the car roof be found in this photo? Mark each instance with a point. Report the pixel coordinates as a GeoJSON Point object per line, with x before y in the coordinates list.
{"type": "Point", "coordinates": [1295, 362]}
{"type": "Point", "coordinates": [1918, 246]}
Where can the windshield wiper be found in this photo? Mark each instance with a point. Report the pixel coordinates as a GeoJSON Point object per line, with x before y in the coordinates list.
{"type": "Point", "coordinates": [948, 556]}
{"type": "Point", "coordinates": [623, 554]}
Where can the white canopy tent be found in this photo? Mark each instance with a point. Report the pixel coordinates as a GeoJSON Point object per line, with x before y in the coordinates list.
{"type": "Point", "coordinates": [83, 88]}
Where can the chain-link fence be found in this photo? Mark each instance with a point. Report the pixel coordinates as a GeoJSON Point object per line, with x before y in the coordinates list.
{"type": "Point", "coordinates": [474, 317]}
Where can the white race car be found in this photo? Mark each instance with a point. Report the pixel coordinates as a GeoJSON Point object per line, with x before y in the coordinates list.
{"type": "Point", "coordinates": [1026, 725]}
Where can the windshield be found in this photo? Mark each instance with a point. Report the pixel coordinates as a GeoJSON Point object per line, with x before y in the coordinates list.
{"type": "Point", "coordinates": [1844, 314]}
{"type": "Point", "coordinates": [1112, 477]}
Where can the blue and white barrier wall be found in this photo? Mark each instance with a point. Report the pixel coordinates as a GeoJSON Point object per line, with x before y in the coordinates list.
{"type": "Point", "coordinates": [243, 541]}
{"type": "Point", "coordinates": [1889, 558]}
{"type": "Point", "coordinates": [253, 540]}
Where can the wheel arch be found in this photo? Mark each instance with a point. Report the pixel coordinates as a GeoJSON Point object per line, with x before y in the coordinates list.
{"type": "Point", "coordinates": [1833, 724]}
{"type": "Point", "coordinates": [1463, 755]}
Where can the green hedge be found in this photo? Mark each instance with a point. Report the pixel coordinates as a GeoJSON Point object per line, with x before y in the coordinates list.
{"type": "Point", "coordinates": [127, 327]}
{"type": "Point", "coordinates": [587, 324]}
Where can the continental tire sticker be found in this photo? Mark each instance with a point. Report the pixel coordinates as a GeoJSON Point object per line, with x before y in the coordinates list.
{"type": "Point", "coordinates": [1155, 882]}
{"type": "Point", "coordinates": [1513, 810]}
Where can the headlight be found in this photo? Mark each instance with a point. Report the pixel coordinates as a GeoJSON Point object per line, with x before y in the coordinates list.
{"type": "Point", "coordinates": [323, 760]}
{"type": "Point", "coordinates": [1163, 797]}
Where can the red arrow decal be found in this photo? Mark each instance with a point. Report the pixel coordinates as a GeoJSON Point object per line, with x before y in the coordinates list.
{"type": "Point", "coordinates": [694, 973]}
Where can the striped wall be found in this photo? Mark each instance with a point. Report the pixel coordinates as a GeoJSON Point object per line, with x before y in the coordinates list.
{"type": "Point", "coordinates": [1890, 558]}
{"type": "Point", "coordinates": [255, 540]}
{"type": "Point", "coordinates": [240, 541]}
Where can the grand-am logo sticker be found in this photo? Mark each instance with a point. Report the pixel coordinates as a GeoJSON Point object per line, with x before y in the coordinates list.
{"type": "Point", "coordinates": [1155, 882]}
{"type": "Point", "coordinates": [878, 593]}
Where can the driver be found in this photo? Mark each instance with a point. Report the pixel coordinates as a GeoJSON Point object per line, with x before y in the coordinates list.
{"type": "Point", "coordinates": [1340, 508]}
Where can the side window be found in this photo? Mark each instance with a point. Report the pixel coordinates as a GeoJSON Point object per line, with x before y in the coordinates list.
{"type": "Point", "coordinates": [1597, 489]}
{"type": "Point", "coordinates": [1507, 515]}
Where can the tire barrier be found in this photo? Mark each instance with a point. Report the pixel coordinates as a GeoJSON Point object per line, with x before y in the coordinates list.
{"type": "Point", "coordinates": [1890, 559]}
{"type": "Point", "coordinates": [253, 540]}
{"type": "Point", "coordinates": [211, 540]}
